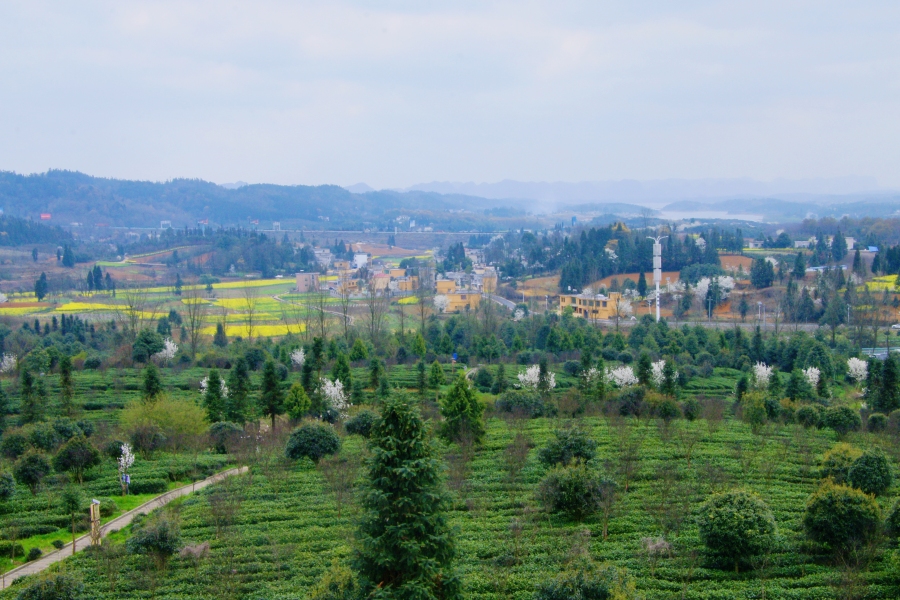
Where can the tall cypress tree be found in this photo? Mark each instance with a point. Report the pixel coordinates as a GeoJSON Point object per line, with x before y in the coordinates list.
{"type": "Point", "coordinates": [236, 404]}
{"type": "Point", "coordinates": [421, 377]}
{"type": "Point", "coordinates": [152, 383]}
{"type": "Point", "coordinates": [888, 398]}
{"type": "Point", "coordinates": [341, 370]}
{"type": "Point", "coordinates": [406, 550]}
{"type": "Point", "coordinates": [31, 411]}
{"type": "Point", "coordinates": [213, 400]}
{"type": "Point", "coordinates": [271, 397]}
{"type": "Point", "coordinates": [66, 387]}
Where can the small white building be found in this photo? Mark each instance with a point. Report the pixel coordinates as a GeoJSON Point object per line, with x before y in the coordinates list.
{"type": "Point", "coordinates": [360, 260]}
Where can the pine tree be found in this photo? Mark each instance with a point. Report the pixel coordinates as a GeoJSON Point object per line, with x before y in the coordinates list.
{"type": "Point", "coordinates": [419, 348]}
{"type": "Point", "coordinates": [40, 287]}
{"type": "Point", "coordinates": [66, 386]}
{"type": "Point", "coordinates": [237, 408]}
{"type": "Point", "coordinates": [500, 383]}
{"type": "Point", "coordinates": [421, 377]}
{"type": "Point", "coordinates": [31, 410]}
{"type": "Point", "coordinates": [405, 547]}
{"type": "Point", "coordinates": [462, 412]}
{"type": "Point", "coordinates": [68, 257]}
{"type": "Point", "coordinates": [341, 370]}
{"type": "Point", "coordinates": [152, 386]}
{"type": "Point", "coordinates": [670, 379]}
{"type": "Point", "coordinates": [644, 369]}
{"type": "Point", "coordinates": [888, 397]}
{"type": "Point", "coordinates": [436, 376]}
{"type": "Point", "coordinates": [220, 339]}
{"type": "Point", "coordinates": [799, 270]}
{"type": "Point", "coordinates": [376, 372]}
{"type": "Point", "coordinates": [642, 285]}
{"type": "Point", "coordinates": [213, 400]}
{"type": "Point", "coordinates": [271, 397]}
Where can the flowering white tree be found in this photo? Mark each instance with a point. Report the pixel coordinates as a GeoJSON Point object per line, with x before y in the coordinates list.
{"type": "Point", "coordinates": [656, 373]}
{"type": "Point", "coordinates": [812, 376]}
{"type": "Point", "coordinates": [204, 385]}
{"type": "Point", "coordinates": [3, 298]}
{"type": "Point", "coordinates": [168, 351]}
{"type": "Point", "coordinates": [334, 393]}
{"type": "Point", "coordinates": [622, 376]}
{"type": "Point", "coordinates": [8, 363]}
{"type": "Point", "coordinates": [726, 284]}
{"type": "Point", "coordinates": [761, 375]}
{"type": "Point", "coordinates": [441, 302]}
{"type": "Point", "coordinates": [124, 462]}
{"type": "Point", "coordinates": [530, 379]}
{"type": "Point", "coordinates": [858, 370]}
{"type": "Point", "coordinates": [298, 357]}
{"type": "Point", "coordinates": [518, 315]}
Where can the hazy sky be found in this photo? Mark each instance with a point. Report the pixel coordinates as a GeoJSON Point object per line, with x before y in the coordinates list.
{"type": "Point", "coordinates": [394, 93]}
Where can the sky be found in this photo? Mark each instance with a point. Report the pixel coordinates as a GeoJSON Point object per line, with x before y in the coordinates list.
{"type": "Point", "coordinates": [397, 93]}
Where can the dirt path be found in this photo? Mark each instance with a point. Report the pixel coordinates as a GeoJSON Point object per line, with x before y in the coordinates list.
{"type": "Point", "coordinates": [116, 524]}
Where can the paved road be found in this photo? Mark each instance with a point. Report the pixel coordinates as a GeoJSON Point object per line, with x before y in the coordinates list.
{"type": "Point", "coordinates": [116, 524]}
{"type": "Point", "coordinates": [502, 301]}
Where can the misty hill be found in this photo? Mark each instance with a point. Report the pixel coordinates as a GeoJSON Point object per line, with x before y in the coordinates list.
{"type": "Point", "coordinates": [76, 197]}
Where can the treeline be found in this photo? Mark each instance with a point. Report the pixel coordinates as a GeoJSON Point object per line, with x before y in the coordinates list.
{"type": "Point", "coordinates": [19, 232]}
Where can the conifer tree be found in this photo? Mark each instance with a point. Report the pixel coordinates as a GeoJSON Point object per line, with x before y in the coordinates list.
{"type": "Point", "coordinates": [66, 387]}
{"type": "Point", "coordinates": [421, 377]}
{"type": "Point", "coordinates": [376, 372]}
{"type": "Point", "coordinates": [644, 369]}
{"type": "Point", "coordinates": [31, 410]}
{"type": "Point", "coordinates": [888, 398]}
{"type": "Point", "coordinates": [271, 397]}
{"type": "Point", "coordinates": [213, 400]}
{"type": "Point", "coordinates": [436, 375]}
{"type": "Point", "coordinates": [237, 408]}
{"type": "Point", "coordinates": [406, 549]}
{"type": "Point", "coordinates": [152, 386]}
{"type": "Point", "coordinates": [4, 408]}
{"type": "Point", "coordinates": [500, 383]}
{"type": "Point", "coordinates": [341, 370]}
{"type": "Point", "coordinates": [462, 412]}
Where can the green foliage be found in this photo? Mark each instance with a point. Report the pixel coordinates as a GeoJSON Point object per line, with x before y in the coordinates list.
{"type": "Point", "coordinates": [297, 404]}
{"type": "Point", "coordinates": [361, 423]}
{"type": "Point", "coordinates": [75, 457]}
{"type": "Point", "coordinates": [14, 444]}
{"type": "Point", "coordinates": [178, 421]}
{"type": "Point", "coordinates": [147, 343]}
{"type": "Point", "coordinates": [359, 350]}
{"type": "Point", "coordinates": [736, 526]}
{"type": "Point", "coordinates": [436, 376]}
{"type": "Point", "coordinates": [152, 386]}
{"type": "Point", "coordinates": [405, 547]}
{"type": "Point", "coordinates": [690, 408]}
{"type": "Point", "coordinates": [586, 581]}
{"type": "Point", "coordinates": [526, 403]}
{"type": "Point", "coordinates": [809, 415]}
{"type": "Point", "coordinates": [271, 397]}
{"type": "Point", "coordinates": [575, 490]}
{"type": "Point", "coordinates": [31, 469]}
{"type": "Point", "coordinates": [7, 486]}
{"type": "Point", "coordinates": [871, 473]}
{"type": "Point", "coordinates": [842, 419]}
{"type": "Point", "coordinates": [213, 399]}
{"type": "Point", "coordinates": [876, 423]}
{"type": "Point", "coordinates": [566, 446]}
{"type": "Point", "coordinates": [762, 273]}
{"type": "Point", "coordinates": [841, 517]}
{"type": "Point", "coordinates": [754, 408]}
{"type": "Point", "coordinates": [338, 583]}
{"type": "Point", "coordinates": [462, 412]}
{"type": "Point", "coordinates": [341, 371]}
{"type": "Point", "coordinates": [313, 441]}
{"type": "Point", "coordinates": [223, 434]}
{"type": "Point", "coordinates": [57, 586]}
{"type": "Point", "coordinates": [159, 538]}
{"type": "Point", "coordinates": [892, 522]}
{"type": "Point", "coordinates": [644, 370]}
{"type": "Point", "coordinates": [237, 404]}
{"type": "Point", "coordinates": [837, 461]}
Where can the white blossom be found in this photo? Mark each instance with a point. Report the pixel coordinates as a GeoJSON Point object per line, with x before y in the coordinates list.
{"type": "Point", "coordinates": [592, 375]}
{"type": "Point", "coordinates": [8, 363]}
{"type": "Point", "coordinates": [298, 357]}
{"type": "Point", "coordinates": [518, 315]}
{"type": "Point", "coordinates": [812, 376]}
{"type": "Point", "coordinates": [126, 459]}
{"type": "Point", "coordinates": [858, 369]}
{"type": "Point", "coordinates": [168, 351]}
{"type": "Point", "coordinates": [656, 373]}
{"type": "Point", "coordinates": [762, 374]}
{"type": "Point", "coordinates": [622, 376]}
{"type": "Point", "coordinates": [204, 385]}
{"type": "Point", "coordinates": [334, 392]}
{"type": "Point", "coordinates": [3, 298]}
{"type": "Point", "coordinates": [441, 302]}
{"type": "Point", "coordinates": [726, 284]}
{"type": "Point", "coordinates": [531, 378]}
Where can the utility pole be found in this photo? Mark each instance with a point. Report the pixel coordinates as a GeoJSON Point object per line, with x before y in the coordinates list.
{"type": "Point", "coordinates": [657, 267]}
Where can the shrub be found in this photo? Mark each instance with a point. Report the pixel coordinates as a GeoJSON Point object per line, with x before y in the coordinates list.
{"type": "Point", "coordinates": [842, 419]}
{"type": "Point", "coordinates": [223, 434]}
{"type": "Point", "coordinates": [463, 413]}
{"type": "Point", "coordinates": [841, 517]}
{"type": "Point", "coordinates": [877, 423]}
{"type": "Point", "coordinates": [58, 544]}
{"type": "Point", "coordinates": [338, 583]}
{"type": "Point", "coordinates": [586, 581]}
{"type": "Point", "coordinates": [7, 486]}
{"type": "Point", "coordinates": [892, 523]}
{"type": "Point", "coordinates": [158, 538]}
{"type": "Point", "coordinates": [573, 489]}
{"type": "Point", "coordinates": [113, 449]}
{"type": "Point", "coordinates": [871, 473]}
{"type": "Point", "coordinates": [44, 437]}
{"type": "Point", "coordinates": [631, 401]}
{"type": "Point", "coordinates": [312, 441]}
{"type": "Point", "coordinates": [484, 380]}
{"type": "Point", "coordinates": [568, 445]}
{"type": "Point", "coordinates": [92, 363]}
{"type": "Point", "coordinates": [361, 423]}
{"type": "Point", "coordinates": [34, 554]}
{"type": "Point", "coordinates": [10, 549]}
{"type": "Point", "coordinates": [809, 416]}
{"type": "Point", "coordinates": [177, 420]}
{"type": "Point", "coordinates": [14, 444]}
{"type": "Point", "coordinates": [735, 526]}
{"type": "Point", "coordinates": [76, 456]}
{"type": "Point", "coordinates": [667, 410]}
{"type": "Point", "coordinates": [54, 587]}
{"type": "Point", "coordinates": [836, 462]}
{"type": "Point", "coordinates": [528, 403]}
{"type": "Point", "coordinates": [690, 408]}
{"type": "Point", "coordinates": [108, 507]}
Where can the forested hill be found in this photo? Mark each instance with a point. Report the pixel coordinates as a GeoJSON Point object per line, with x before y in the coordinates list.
{"type": "Point", "coordinates": [17, 232]}
{"type": "Point", "coordinates": [75, 197]}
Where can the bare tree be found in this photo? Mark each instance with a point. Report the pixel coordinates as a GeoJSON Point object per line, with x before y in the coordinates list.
{"type": "Point", "coordinates": [487, 307]}
{"type": "Point", "coordinates": [136, 310]}
{"type": "Point", "coordinates": [250, 294]}
{"type": "Point", "coordinates": [344, 301]}
{"type": "Point", "coordinates": [424, 293]}
{"type": "Point", "coordinates": [195, 316]}
{"type": "Point", "coordinates": [340, 472]}
{"type": "Point", "coordinates": [376, 305]}
{"type": "Point", "coordinates": [320, 301]}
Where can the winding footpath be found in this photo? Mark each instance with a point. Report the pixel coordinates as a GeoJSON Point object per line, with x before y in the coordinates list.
{"type": "Point", "coordinates": [123, 520]}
